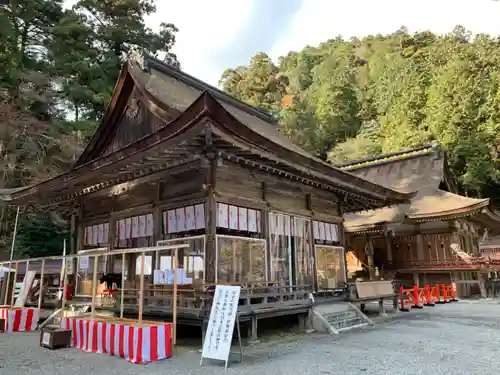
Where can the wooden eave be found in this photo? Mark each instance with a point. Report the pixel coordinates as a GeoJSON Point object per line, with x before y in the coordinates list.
{"type": "Point", "coordinates": [126, 82]}
{"type": "Point", "coordinates": [148, 155]}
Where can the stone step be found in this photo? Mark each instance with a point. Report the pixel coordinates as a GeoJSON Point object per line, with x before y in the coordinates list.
{"type": "Point", "coordinates": [335, 317]}
{"type": "Point", "coordinates": [351, 322]}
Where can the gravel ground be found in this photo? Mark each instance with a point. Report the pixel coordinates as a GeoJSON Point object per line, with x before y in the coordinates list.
{"type": "Point", "coordinates": [455, 339]}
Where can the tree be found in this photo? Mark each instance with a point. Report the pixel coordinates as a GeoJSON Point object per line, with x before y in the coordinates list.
{"type": "Point", "coordinates": [350, 99]}
{"type": "Point", "coordinates": [58, 69]}
{"type": "Point", "coordinates": [92, 42]}
{"type": "Point", "coordinates": [40, 235]}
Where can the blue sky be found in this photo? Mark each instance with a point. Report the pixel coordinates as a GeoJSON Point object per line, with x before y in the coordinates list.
{"type": "Point", "coordinates": [218, 34]}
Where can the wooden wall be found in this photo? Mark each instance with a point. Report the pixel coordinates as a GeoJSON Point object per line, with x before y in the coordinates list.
{"type": "Point", "coordinates": [237, 183]}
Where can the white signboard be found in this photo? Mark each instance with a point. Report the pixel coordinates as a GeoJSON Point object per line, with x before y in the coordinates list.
{"type": "Point", "coordinates": [84, 262]}
{"type": "Point", "coordinates": [46, 338]}
{"type": "Point", "coordinates": [217, 342]}
{"type": "Point", "coordinates": [25, 288]}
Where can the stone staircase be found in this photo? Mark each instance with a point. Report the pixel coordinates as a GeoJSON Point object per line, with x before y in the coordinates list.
{"type": "Point", "coordinates": [334, 318]}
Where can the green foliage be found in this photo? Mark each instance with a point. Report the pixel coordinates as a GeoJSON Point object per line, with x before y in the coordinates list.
{"type": "Point", "coordinates": [40, 235]}
{"type": "Point", "coordinates": [361, 97]}
{"type": "Point", "coordinates": [58, 69]}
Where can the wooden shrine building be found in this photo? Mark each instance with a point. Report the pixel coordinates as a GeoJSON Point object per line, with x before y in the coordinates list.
{"type": "Point", "coordinates": [176, 159]}
{"type": "Point", "coordinates": [433, 239]}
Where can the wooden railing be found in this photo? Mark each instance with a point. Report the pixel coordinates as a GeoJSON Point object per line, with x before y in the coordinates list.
{"type": "Point", "coordinates": [253, 296]}
{"type": "Point", "coordinates": [448, 263]}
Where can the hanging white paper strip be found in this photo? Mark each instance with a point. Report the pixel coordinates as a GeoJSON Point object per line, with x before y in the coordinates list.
{"type": "Point", "coordinates": [95, 235]}
{"type": "Point", "coordinates": [243, 219]}
{"type": "Point", "coordinates": [328, 232]}
{"type": "Point", "coordinates": [316, 229]}
{"type": "Point", "coordinates": [142, 226]}
{"type": "Point", "coordinates": [190, 218]}
{"type": "Point", "coordinates": [172, 221]}
{"type": "Point", "coordinates": [100, 236]}
{"type": "Point", "coordinates": [87, 235]}
{"type": "Point", "coordinates": [165, 222]}
{"type": "Point", "coordinates": [135, 227]}
{"type": "Point", "coordinates": [233, 217]}
{"type": "Point", "coordinates": [128, 228]}
{"type": "Point", "coordinates": [222, 215]}
{"type": "Point", "coordinates": [106, 233]}
{"type": "Point", "coordinates": [335, 232]}
{"type": "Point", "coordinates": [181, 219]}
{"type": "Point", "coordinates": [199, 210]}
{"type": "Point", "coordinates": [122, 230]}
{"type": "Point", "coordinates": [252, 221]}
{"type": "Point", "coordinates": [149, 225]}
{"type": "Point", "coordinates": [259, 224]}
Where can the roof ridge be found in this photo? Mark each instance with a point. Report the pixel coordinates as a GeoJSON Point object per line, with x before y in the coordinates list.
{"type": "Point", "coordinates": [388, 157]}
{"type": "Point", "coordinates": [147, 61]}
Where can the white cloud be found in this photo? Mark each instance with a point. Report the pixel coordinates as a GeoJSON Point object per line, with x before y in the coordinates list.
{"type": "Point", "coordinates": [319, 20]}
{"type": "Point", "coordinates": [205, 28]}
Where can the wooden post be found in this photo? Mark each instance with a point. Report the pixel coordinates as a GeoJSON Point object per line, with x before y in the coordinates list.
{"type": "Point", "coordinates": [141, 288]}
{"type": "Point", "coordinates": [65, 286]}
{"type": "Point", "coordinates": [369, 254]}
{"type": "Point", "coordinates": [94, 285]}
{"type": "Point", "coordinates": [28, 286]}
{"type": "Point", "coordinates": [7, 282]}
{"type": "Point", "coordinates": [122, 292]}
{"type": "Point", "coordinates": [40, 296]}
{"type": "Point", "coordinates": [14, 284]}
{"type": "Point", "coordinates": [174, 300]}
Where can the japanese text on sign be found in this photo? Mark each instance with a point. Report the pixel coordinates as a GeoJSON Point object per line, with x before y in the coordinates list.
{"type": "Point", "coordinates": [217, 343]}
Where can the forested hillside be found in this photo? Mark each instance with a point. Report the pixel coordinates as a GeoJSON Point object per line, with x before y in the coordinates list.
{"type": "Point", "coordinates": [58, 69]}
{"type": "Point", "coordinates": [349, 99]}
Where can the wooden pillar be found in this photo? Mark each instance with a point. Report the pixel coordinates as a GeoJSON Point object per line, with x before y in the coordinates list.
{"type": "Point", "coordinates": [420, 248]}
{"type": "Point", "coordinates": [388, 247]}
{"type": "Point", "coordinates": [369, 253]}
{"type": "Point", "coordinates": [211, 217]}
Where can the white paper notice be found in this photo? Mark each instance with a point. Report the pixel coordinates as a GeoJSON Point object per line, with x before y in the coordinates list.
{"type": "Point", "coordinates": [147, 264]}
{"type": "Point", "coordinates": [95, 234]}
{"type": "Point", "coordinates": [252, 221]}
{"type": "Point", "coordinates": [335, 232]}
{"type": "Point", "coordinates": [122, 232]}
{"type": "Point", "coordinates": [46, 338]}
{"type": "Point", "coordinates": [199, 211]}
{"type": "Point", "coordinates": [128, 228]}
{"type": "Point", "coordinates": [243, 219]}
{"type": "Point", "coordinates": [100, 236]}
{"type": "Point", "coordinates": [84, 262]}
{"type": "Point", "coordinates": [316, 230]}
{"type": "Point", "coordinates": [217, 342]}
{"type": "Point", "coordinates": [159, 277]}
{"type": "Point", "coordinates": [135, 227]}
{"type": "Point", "coordinates": [328, 232]}
{"type": "Point", "coordinates": [88, 235]}
{"type": "Point", "coordinates": [172, 222]}
{"type": "Point", "coordinates": [149, 225]}
{"type": "Point", "coordinates": [233, 217]}
{"type": "Point", "coordinates": [181, 219]}
{"type": "Point", "coordinates": [142, 226]}
{"type": "Point", "coordinates": [165, 222]}
{"type": "Point", "coordinates": [106, 233]}
{"type": "Point", "coordinates": [222, 215]}
{"type": "Point", "coordinates": [190, 218]}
